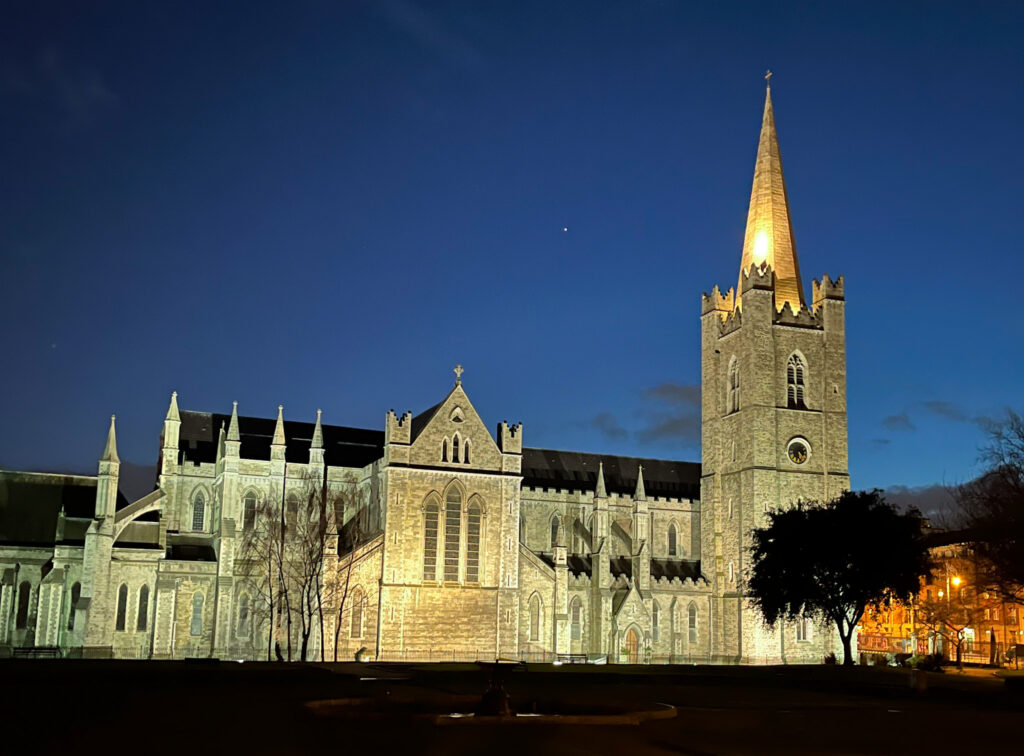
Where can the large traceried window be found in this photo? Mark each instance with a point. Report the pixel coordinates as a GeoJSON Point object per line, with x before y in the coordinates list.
{"type": "Point", "coordinates": [196, 626]}
{"type": "Point", "coordinates": [691, 623]}
{"type": "Point", "coordinates": [535, 617]}
{"type": "Point", "coordinates": [576, 617]}
{"type": "Point", "coordinates": [795, 387]}
{"type": "Point", "coordinates": [122, 606]}
{"type": "Point", "coordinates": [473, 543]}
{"type": "Point", "coordinates": [673, 546]}
{"type": "Point", "coordinates": [430, 520]}
{"type": "Point", "coordinates": [142, 619]}
{"type": "Point", "coordinates": [734, 385]}
{"type": "Point", "coordinates": [249, 511]}
{"type": "Point", "coordinates": [452, 533]}
{"type": "Point", "coordinates": [76, 594]}
{"type": "Point", "coordinates": [358, 607]}
{"type": "Point", "coordinates": [198, 511]}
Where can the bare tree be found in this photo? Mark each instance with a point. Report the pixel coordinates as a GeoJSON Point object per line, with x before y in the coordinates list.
{"type": "Point", "coordinates": [956, 605]}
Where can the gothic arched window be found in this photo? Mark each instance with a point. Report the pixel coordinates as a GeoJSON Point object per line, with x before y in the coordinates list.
{"type": "Point", "coordinates": [122, 606]}
{"type": "Point", "coordinates": [142, 620]}
{"type": "Point", "coordinates": [444, 450]}
{"type": "Point", "coordinates": [76, 594]}
{"type": "Point", "coordinates": [672, 538]}
{"type": "Point", "coordinates": [249, 511]}
{"type": "Point", "coordinates": [196, 627]}
{"type": "Point", "coordinates": [452, 532]}
{"type": "Point", "coordinates": [655, 618]}
{"type": "Point", "coordinates": [455, 448]}
{"type": "Point", "coordinates": [242, 630]}
{"type": "Point", "coordinates": [24, 593]}
{"type": "Point", "coordinates": [430, 520]}
{"type": "Point", "coordinates": [198, 511]}
{"type": "Point", "coordinates": [691, 623]}
{"type": "Point", "coordinates": [473, 543]}
{"type": "Point", "coordinates": [535, 610]}
{"type": "Point", "coordinates": [795, 387]}
{"type": "Point", "coordinates": [465, 451]}
{"type": "Point", "coordinates": [734, 385]}
{"type": "Point", "coordinates": [358, 606]}
{"type": "Point", "coordinates": [576, 615]}
{"type": "Point", "coordinates": [577, 544]}
{"type": "Point", "coordinates": [803, 629]}
{"type": "Point", "coordinates": [554, 532]}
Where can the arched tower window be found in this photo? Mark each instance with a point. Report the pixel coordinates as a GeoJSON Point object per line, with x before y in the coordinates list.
{"type": "Point", "coordinates": [24, 593]}
{"type": "Point", "coordinates": [452, 531]}
{"type": "Point", "coordinates": [122, 606]}
{"type": "Point", "coordinates": [473, 543]}
{"type": "Point", "coordinates": [672, 539]}
{"type": "Point", "coordinates": [576, 615]}
{"type": "Point", "coordinates": [430, 520]}
{"type": "Point", "coordinates": [535, 609]}
{"type": "Point", "coordinates": [465, 451]}
{"type": "Point", "coordinates": [795, 387]}
{"type": "Point", "coordinates": [198, 511]}
{"type": "Point", "coordinates": [249, 511]}
{"type": "Point", "coordinates": [358, 607]}
{"type": "Point", "coordinates": [734, 385]}
{"type": "Point", "coordinates": [142, 620]}
{"type": "Point", "coordinates": [196, 627]}
{"type": "Point", "coordinates": [554, 531]}
{"type": "Point", "coordinates": [655, 619]}
{"type": "Point", "coordinates": [242, 631]}
{"type": "Point", "coordinates": [691, 623]}
{"type": "Point", "coordinates": [76, 594]}
{"type": "Point", "coordinates": [455, 448]}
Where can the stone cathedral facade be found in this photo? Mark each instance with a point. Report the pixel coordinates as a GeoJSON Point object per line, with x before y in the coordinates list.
{"type": "Point", "coordinates": [451, 542]}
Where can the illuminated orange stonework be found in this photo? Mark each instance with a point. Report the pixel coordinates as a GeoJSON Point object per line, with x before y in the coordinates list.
{"type": "Point", "coordinates": [769, 235]}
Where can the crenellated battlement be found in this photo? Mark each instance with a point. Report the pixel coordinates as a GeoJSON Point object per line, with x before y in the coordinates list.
{"type": "Point", "coordinates": [827, 289]}
{"type": "Point", "coordinates": [510, 438]}
{"type": "Point", "coordinates": [803, 319]}
{"type": "Point", "coordinates": [757, 277]}
{"type": "Point", "coordinates": [398, 430]}
{"type": "Point", "coordinates": [716, 301]}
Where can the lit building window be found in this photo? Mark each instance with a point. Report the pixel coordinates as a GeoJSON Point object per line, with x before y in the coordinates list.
{"type": "Point", "coordinates": [452, 533]}
{"type": "Point", "coordinates": [795, 369]}
{"type": "Point", "coordinates": [734, 385]}
{"type": "Point", "coordinates": [473, 544]}
{"type": "Point", "coordinates": [430, 520]}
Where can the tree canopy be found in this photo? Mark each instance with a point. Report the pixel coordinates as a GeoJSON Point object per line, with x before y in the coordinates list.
{"type": "Point", "coordinates": [832, 559]}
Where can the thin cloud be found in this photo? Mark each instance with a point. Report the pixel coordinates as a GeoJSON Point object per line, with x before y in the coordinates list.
{"type": "Point", "coordinates": [935, 501]}
{"type": "Point", "coordinates": [675, 393]}
{"type": "Point", "coordinates": [900, 422]}
{"type": "Point", "coordinates": [948, 410]}
{"type": "Point", "coordinates": [674, 414]}
{"type": "Point", "coordinates": [880, 442]}
{"type": "Point", "coordinates": [608, 426]}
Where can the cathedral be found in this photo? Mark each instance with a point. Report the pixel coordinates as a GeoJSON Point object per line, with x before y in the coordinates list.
{"type": "Point", "coordinates": [444, 541]}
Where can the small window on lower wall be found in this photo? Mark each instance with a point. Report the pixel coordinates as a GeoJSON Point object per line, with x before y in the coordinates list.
{"type": "Point", "coordinates": [803, 629]}
{"type": "Point", "coordinates": [196, 626]}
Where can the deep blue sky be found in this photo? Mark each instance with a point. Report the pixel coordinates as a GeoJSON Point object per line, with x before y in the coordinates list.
{"type": "Point", "coordinates": [330, 204]}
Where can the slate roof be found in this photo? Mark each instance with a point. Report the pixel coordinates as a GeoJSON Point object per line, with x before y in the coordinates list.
{"type": "Point", "coordinates": [577, 471]}
{"type": "Point", "coordinates": [30, 503]}
{"type": "Point", "coordinates": [343, 447]}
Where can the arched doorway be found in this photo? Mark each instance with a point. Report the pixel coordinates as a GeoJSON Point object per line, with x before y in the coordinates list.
{"type": "Point", "coordinates": [631, 645]}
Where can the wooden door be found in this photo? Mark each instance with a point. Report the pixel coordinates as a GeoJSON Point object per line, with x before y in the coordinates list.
{"type": "Point", "coordinates": [632, 647]}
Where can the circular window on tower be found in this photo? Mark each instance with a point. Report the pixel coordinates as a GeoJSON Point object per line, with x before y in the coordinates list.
{"type": "Point", "coordinates": [798, 451]}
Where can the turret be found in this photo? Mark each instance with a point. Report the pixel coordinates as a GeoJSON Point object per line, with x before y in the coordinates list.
{"type": "Point", "coordinates": [641, 527]}
{"type": "Point", "coordinates": [233, 442]}
{"type": "Point", "coordinates": [277, 444]}
{"type": "Point", "coordinates": [169, 440]}
{"type": "Point", "coordinates": [316, 446]}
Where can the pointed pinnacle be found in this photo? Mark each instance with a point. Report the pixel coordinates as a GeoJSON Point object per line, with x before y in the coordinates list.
{"type": "Point", "coordinates": [233, 434]}
{"type": "Point", "coordinates": [601, 492]}
{"type": "Point", "coordinates": [318, 434]}
{"type": "Point", "coordinates": [110, 450]}
{"type": "Point", "coordinates": [640, 493]}
{"type": "Point", "coordinates": [279, 427]}
{"type": "Point", "coordinates": [172, 411]}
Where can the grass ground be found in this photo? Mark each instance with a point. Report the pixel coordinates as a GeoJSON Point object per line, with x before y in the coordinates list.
{"type": "Point", "coordinates": [97, 706]}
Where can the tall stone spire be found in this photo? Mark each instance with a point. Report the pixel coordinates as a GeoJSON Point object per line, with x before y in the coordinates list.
{"type": "Point", "coordinates": [110, 450]}
{"type": "Point", "coordinates": [601, 492]}
{"type": "Point", "coordinates": [172, 410]}
{"type": "Point", "coordinates": [318, 434]}
{"type": "Point", "coordinates": [640, 494]}
{"type": "Point", "coordinates": [769, 235]}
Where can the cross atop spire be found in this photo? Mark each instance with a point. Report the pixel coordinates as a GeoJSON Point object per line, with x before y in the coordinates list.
{"type": "Point", "coordinates": [769, 236]}
{"type": "Point", "coordinates": [458, 374]}
{"type": "Point", "coordinates": [768, 78]}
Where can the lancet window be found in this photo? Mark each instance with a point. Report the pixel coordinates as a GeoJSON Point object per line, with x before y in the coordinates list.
{"type": "Point", "coordinates": [795, 387]}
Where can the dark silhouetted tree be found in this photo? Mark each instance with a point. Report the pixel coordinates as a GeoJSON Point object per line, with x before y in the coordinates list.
{"type": "Point", "coordinates": [830, 560]}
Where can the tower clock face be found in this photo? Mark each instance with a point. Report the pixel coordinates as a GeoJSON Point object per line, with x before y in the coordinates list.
{"type": "Point", "coordinates": [798, 451]}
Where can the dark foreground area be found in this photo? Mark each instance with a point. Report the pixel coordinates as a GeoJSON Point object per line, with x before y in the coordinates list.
{"type": "Point", "coordinates": [180, 707]}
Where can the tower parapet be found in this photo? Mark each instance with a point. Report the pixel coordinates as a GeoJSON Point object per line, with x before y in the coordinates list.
{"type": "Point", "coordinates": [827, 289]}
{"type": "Point", "coordinates": [510, 438]}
